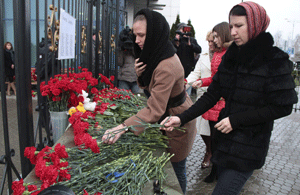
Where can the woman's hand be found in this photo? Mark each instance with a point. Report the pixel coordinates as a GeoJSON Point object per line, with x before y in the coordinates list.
{"type": "Point", "coordinates": [139, 67]}
{"type": "Point", "coordinates": [224, 126]}
{"type": "Point", "coordinates": [12, 66]}
{"type": "Point", "coordinates": [112, 135]}
{"type": "Point", "coordinates": [197, 84]}
{"type": "Point", "coordinates": [173, 121]}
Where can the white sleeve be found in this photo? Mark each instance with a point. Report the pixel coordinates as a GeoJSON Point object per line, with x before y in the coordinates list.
{"type": "Point", "coordinates": [195, 74]}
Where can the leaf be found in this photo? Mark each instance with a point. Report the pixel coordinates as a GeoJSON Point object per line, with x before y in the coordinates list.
{"type": "Point", "coordinates": [108, 113]}
{"type": "Point", "coordinates": [113, 107]}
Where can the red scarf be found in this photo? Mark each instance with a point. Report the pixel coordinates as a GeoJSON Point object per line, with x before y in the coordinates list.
{"type": "Point", "coordinates": [257, 18]}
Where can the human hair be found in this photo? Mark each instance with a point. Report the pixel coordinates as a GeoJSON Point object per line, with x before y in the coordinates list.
{"type": "Point", "coordinates": [181, 25]}
{"type": "Point", "coordinates": [223, 32]}
{"type": "Point", "coordinates": [7, 44]}
{"type": "Point", "coordinates": [238, 11]}
{"type": "Point", "coordinates": [208, 35]}
{"type": "Point", "coordinates": [140, 17]}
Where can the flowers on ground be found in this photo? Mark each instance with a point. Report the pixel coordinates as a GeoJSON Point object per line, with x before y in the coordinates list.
{"type": "Point", "coordinates": [50, 165]}
{"type": "Point", "coordinates": [20, 188]}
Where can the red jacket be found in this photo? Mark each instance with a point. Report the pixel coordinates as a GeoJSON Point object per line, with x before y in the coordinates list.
{"type": "Point", "coordinates": [213, 113]}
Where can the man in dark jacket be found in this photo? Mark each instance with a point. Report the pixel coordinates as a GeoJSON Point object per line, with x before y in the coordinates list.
{"type": "Point", "coordinates": [186, 48]}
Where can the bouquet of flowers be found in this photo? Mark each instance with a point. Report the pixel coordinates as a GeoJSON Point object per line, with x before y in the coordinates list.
{"type": "Point", "coordinates": [62, 90]}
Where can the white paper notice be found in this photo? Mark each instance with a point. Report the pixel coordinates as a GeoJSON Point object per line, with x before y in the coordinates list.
{"type": "Point", "coordinates": [66, 43]}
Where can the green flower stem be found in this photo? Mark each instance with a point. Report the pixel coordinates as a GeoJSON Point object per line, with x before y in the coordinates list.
{"type": "Point", "coordinates": [90, 171]}
{"type": "Point", "coordinates": [131, 182]}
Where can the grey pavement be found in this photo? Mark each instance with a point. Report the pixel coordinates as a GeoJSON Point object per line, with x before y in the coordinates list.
{"type": "Point", "coordinates": [279, 175]}
{"type": "Point", "coordinates": [13, 133]}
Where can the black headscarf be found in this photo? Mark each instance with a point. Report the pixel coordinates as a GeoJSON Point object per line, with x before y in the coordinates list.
{"type": "Point", "coordinates": [157, 46]}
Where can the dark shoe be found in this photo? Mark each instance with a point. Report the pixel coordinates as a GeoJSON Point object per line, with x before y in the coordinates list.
{"type": "Point", "coordinates": [206, 161]}
{"type": "Point", "coordinates": [212, 176]}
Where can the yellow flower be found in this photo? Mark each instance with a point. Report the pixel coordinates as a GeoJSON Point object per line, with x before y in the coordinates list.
{"type": "Point", "coordinates": [72, 110]}
{"type": "Point", "coordinates": [80, 108]}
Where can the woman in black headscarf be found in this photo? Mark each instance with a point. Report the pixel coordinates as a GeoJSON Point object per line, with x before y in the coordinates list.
{"type": "Point", "coordinates": [163, 76]}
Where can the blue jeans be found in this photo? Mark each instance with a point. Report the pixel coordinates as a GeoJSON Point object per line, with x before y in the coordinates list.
{"type": "Point", "coordinates": [133, 86]}
{"type": "Point", "coordinates": [230, 182]}
{"type": "Point", "coordinates": [189, 91]}
{"type": "Point", "coordinates": [180, 171]}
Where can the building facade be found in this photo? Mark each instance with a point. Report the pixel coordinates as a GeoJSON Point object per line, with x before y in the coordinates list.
{"type": "Point", "coordinates": [39, 10]}
{"type": "Point", "coordinates": [168, 8]}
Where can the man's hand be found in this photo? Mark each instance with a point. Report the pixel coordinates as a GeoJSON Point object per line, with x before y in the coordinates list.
{"type": "Point", "coordinates": [139, 67]}
{"type": "Point", "coordinates": [197, 84]}
{"type": "Point", "coordinates": [173, 121]}
{"type": "Point", "coordinates": [189, 40]}
{"type": "Point", "coordinates": [224, 126]}
{"type": "Point", "coordinates": [112, 135]}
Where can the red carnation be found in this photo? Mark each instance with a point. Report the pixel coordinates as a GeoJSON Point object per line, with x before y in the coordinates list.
{"type": "Point", "coordinates": [29, 152]}
{"type": "Point", "coordinates": [85, 192]}
{"type": "Point", "coordinates": [18, 187]}
{"type": "Point", "coordinates": [112, 78]}
{"type": "Point", "coordinates": [94, 90]}
{"type": "Point", "coordinates": [56, 92]}
{"type": "Point", "coordinates": [60, 150]}
{"type": "Point", "coordinates": [31, 187]}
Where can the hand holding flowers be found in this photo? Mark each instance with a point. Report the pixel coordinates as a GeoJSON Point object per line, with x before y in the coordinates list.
{"type": "Point", "coordinates": [112, 135]}
{"type": "Point", "coordinates": [170, 122]}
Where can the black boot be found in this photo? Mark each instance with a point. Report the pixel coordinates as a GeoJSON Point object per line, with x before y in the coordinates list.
{"type": "Point", "coordinates": [212, 176]}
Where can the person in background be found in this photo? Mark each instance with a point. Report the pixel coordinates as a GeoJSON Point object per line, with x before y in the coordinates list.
{"type": "Point", "coordinates": [186, 47]}
{"type": "Point", "coordinates": [202, 69]}
{"type": "Point", "coordinates": [161, 73]}
{"type": "Point", "coordinates": [127, 75]}
{"type": "Point", "coordinates": [255, 80]}
{"type": "Point", "coordinates": [95, 51]}
{"type": "Point", "coordinates": [9, 56]}
{"type": "Point", "coordinates": [222, 40]}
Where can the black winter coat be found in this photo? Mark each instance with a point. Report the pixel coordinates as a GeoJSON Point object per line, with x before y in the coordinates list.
{"type": "Point", "coordinates": [256, 83]}
{"type": "Point", "coordinates": [186, 55]}
{"type": "Point", "coordinates": [8, 61]}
